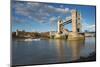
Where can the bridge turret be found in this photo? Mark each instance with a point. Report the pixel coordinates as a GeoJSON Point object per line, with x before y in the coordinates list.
{"type": "Point", "coordinates": [79, 25]}
{"type": "Point", "coordinates": [74, 24]}
{"type": "Point", "coordinates": [60, 25]}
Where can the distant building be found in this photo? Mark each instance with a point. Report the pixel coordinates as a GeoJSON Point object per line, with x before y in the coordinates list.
{"type": "Point", "coordinates": [20, 33]}
{"type": "Point", "coordinates": [24, 34]}
{"type": "Point", "coordinates": [17, 32]}
{"type": "Point", "coordinates": [88, 34]}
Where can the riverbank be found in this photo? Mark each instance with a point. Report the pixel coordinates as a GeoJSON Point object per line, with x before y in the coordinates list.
{"type": "Point", "coordinates": [45, 35]}
{"type": "Point", "coordinates": [91, 57]}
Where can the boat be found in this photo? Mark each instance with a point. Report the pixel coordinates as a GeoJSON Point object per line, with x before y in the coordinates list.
{"type": "Point", "coordinates": [32, 40]}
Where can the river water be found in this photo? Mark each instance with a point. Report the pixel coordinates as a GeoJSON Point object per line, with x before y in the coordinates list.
{"type": "Point", "coordinates": [50, 51]}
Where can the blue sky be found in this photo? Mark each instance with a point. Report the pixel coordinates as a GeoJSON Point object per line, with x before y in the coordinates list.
{"type": "Point", "coordinates": [34, 16]}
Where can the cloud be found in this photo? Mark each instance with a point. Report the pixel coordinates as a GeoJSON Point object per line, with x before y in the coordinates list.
{"type": "Point", "coordinates": [38, 12]}
{"type": "Point", "coordinates": [88, 27]}
{"type": "Point", "coordinates": [91, 27]}
{"type": "Point", "coordinates": [52, 9]}
{"type": "Point", "coordinates": [53, 19]}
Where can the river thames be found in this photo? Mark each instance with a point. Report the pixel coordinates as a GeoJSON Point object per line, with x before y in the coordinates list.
{"type": "Point", "coordinates": [50, 50]}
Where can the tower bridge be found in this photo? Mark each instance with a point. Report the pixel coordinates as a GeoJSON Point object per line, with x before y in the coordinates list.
{"type": "Point", "coordinates": [75, 20]}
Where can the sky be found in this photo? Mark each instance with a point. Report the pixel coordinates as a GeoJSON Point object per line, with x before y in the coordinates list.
{"type": "Point", "coordinates": [42, 17]}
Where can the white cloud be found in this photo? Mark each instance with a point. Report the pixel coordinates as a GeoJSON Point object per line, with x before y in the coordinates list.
{"type": "Point", "coordinates": [38, 12]}
{"type": "Point", "coordinates": [53, 19]}
{"type": "Point", "coordinates": [88, 27]}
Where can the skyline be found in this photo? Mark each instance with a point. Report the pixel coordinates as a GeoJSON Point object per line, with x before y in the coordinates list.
{"type": "Point", "coordinates": [36, 16]}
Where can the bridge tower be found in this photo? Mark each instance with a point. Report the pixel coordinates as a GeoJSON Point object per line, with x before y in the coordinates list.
{"type": "Point", "coordinates": [79, 24]}
{"type": "Point", "coordinates": [60, 25]}
{"type": "Point", "coordinates": [76, 21]}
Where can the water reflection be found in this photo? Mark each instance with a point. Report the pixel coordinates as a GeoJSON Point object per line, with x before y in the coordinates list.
{"type": "Point", "coordinates": [76, 47]}
{"type": "Point", "coordinates": [60, 49]}
{"type": "Point", "coordinates": [51, 51]}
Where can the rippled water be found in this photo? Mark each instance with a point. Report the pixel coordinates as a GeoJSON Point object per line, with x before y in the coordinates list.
{"type": "Point", "coordinates": [50, 51]}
